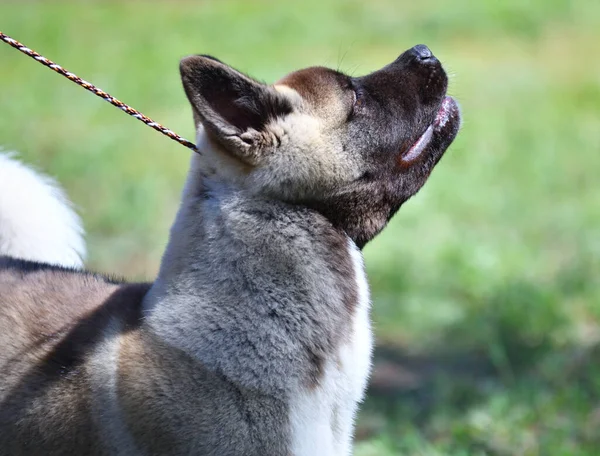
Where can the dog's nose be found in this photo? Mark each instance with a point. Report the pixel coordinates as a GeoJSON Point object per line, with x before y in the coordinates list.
{"type": "Point", "coordinates": [422, 53]}
{"type": "Point", "coordinates": [419, 56]}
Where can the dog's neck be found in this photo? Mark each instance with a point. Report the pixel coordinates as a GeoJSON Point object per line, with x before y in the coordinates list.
{"type": "Point", "coordinates": [231, 252]}
{"type": "Point", "coordinates": [213, 213]}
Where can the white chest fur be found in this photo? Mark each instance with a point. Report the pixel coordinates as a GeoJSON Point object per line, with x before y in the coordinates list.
{"type": "Point", "coordinates": [322, 419]}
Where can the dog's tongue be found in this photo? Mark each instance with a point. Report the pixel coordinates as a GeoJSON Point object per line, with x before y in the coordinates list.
{"type": "Point", "coordinates": [441, 119]}
{"type": "Point", "coordinates": [443, 113]}
{"type": "Point", "coordinates": [419, 146]}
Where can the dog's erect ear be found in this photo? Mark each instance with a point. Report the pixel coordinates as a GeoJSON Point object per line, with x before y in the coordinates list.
{"type": "Point", "coordinates": [233, 107]}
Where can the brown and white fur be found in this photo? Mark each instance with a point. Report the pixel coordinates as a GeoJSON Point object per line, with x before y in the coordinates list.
{"type": "Point", "coordinates": [254, 339]}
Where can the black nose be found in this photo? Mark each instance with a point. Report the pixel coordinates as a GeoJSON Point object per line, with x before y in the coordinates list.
{"type": "Point", "coordinates": [422, 52]}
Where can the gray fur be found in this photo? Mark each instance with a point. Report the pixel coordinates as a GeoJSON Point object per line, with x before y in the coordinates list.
{"type": "Point", "coordinates": [282, 261]}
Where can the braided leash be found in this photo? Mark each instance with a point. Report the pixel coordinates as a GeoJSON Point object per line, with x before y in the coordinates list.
{"type": "Point", "coordinates": [95, 90]}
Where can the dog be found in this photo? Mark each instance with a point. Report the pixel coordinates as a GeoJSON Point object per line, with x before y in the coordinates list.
{"type": "Point", "coordinates": [254, 339]}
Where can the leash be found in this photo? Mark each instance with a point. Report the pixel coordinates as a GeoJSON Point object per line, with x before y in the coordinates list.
{"type": "Point", "coordinates": [96, 91]}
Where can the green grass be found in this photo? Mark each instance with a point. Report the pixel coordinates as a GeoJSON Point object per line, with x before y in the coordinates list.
{"type": "Point", "coordinates": [486, 285]}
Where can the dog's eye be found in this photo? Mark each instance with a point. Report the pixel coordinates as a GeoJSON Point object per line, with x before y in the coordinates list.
{"type": "Point", "coordinates": [358, 98]}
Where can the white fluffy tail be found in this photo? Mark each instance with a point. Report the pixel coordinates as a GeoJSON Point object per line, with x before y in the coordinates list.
{"type": "Point", "coordinates": [37, 221]}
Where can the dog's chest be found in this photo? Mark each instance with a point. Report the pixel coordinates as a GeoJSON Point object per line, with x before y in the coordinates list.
{"type": "Point", "coordinates": [322, 418]}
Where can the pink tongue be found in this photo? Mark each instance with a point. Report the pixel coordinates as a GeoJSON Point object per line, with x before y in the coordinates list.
{"type": "Point", "coordinates": [443, 114]}
{"type": "Point", "coordinates": [419, 146]}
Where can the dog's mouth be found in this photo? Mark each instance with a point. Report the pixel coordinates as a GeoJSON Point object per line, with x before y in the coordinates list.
{"type": "Point", "coordinates": [443, 126]}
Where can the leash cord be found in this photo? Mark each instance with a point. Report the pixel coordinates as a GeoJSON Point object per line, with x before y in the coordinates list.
{"type": "Point", "coordinates": [95, 90]}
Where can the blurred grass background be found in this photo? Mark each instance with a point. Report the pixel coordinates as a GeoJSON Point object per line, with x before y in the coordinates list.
{"type": "Point", "coordinates": [486, 285]}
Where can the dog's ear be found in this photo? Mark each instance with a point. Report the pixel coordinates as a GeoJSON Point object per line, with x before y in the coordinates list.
{"type": "Point", "coordinates": [234, 108]}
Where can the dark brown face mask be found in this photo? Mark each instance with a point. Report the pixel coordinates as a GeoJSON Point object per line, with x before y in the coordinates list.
{"type": "Point", "coordinates": [401, 122]}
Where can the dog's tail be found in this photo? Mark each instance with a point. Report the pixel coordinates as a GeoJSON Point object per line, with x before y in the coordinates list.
{"type": "Point", "coordinates": [37, 221]}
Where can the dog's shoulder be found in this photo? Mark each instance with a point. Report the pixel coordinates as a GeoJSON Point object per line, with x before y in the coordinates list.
{"type": "Point", "coordinates": [56, 326]}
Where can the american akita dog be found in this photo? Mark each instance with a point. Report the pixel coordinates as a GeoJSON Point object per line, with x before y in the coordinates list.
{"type": "Point", "coordinates": [254, 340]}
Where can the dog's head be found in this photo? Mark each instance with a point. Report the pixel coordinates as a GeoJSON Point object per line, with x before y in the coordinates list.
{"type": "Point", "coordinates": [353, 148]}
